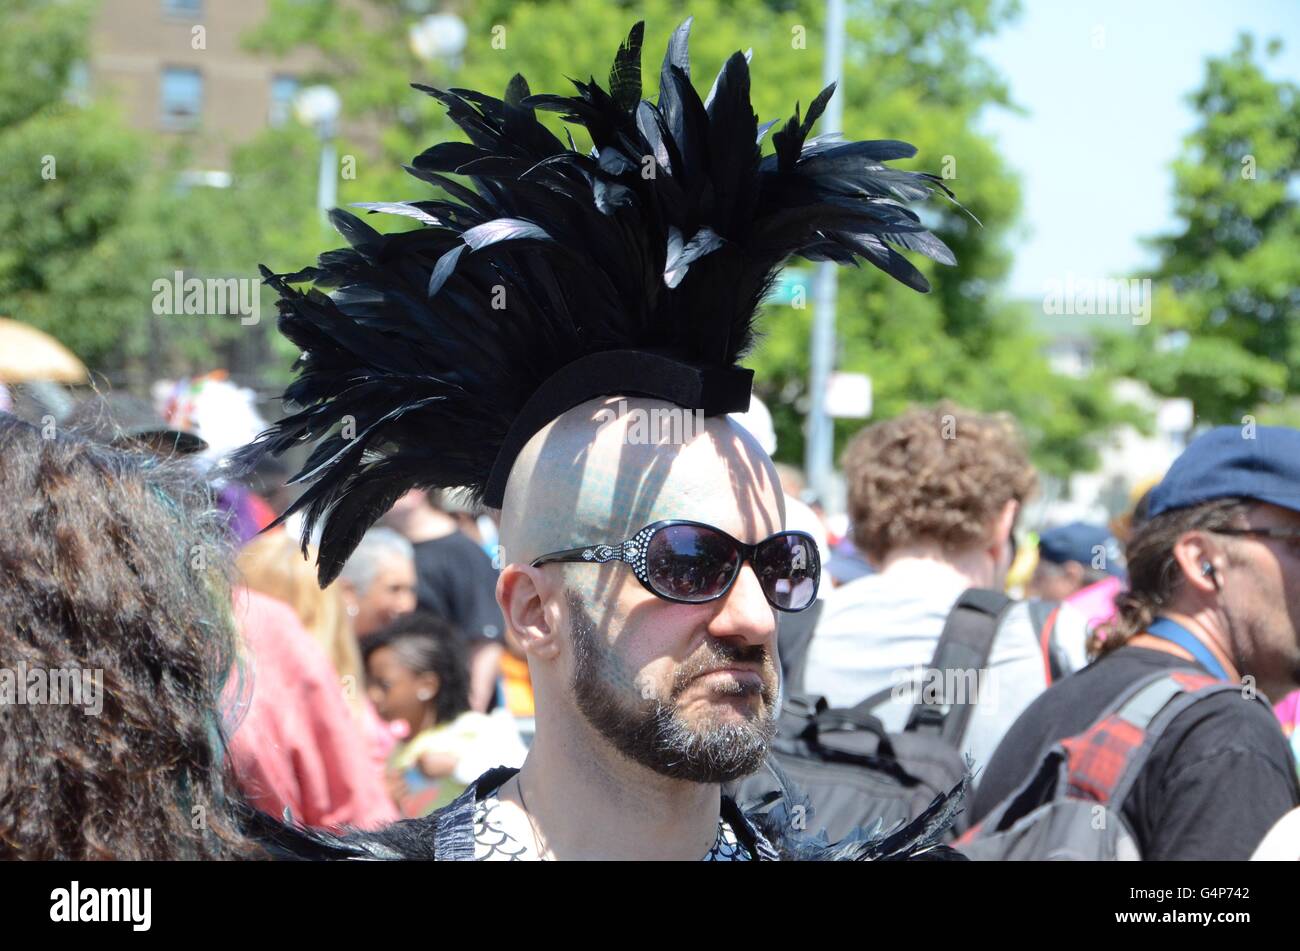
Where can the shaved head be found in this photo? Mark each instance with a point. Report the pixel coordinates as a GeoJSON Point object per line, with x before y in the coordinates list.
{"type": "Point", "coordinates": [611, 465]}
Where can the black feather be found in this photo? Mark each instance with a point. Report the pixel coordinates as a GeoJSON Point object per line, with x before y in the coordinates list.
{"type": "Point", "coordinates": [625, 74]}
{"type": "Point", "coordinates": [920, 839]}
{"type": "Point", "coordinates": [666, 236]}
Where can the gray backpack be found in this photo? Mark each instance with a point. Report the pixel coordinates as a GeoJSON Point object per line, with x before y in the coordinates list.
{"type": "Point", "coordinates": [1070, 806]}
{"type": "Point", "coordinates": [843, 766]}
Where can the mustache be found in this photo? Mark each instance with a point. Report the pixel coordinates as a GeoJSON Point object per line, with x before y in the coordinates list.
{"type": "Point", "coordinates": [719, 655]}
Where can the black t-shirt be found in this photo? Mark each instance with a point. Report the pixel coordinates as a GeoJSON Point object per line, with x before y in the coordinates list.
{"type": "Point", "coordinates": [1217, 780]}
{"type": "Point", "coordinates": [455, 580]}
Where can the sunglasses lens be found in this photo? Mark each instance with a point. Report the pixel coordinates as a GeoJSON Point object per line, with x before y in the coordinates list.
{"type": "Point", "coordinates": [788, 568]}
{"type": "Point", "coordinates": [690, 563]}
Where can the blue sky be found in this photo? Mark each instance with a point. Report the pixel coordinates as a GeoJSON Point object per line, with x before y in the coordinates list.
{"type": "Point", "coordinates": [1106, 117]}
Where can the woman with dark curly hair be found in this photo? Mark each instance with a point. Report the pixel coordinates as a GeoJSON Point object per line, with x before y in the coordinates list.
{"type": "Point", "coordinates": [116, 640]}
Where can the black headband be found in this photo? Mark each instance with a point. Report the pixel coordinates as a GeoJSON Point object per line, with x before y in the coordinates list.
{"type": "Point", "coordinates": [713, 390]}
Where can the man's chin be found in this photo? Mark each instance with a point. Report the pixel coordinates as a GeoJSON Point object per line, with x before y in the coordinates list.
{"type": "Point", "coordinates": [717, 708]}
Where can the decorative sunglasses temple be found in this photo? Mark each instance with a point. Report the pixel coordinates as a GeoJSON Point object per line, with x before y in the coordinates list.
{"type": "Point", "coordinates": [631, 551]}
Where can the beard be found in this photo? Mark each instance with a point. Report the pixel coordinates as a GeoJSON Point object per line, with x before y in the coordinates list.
{"type": "Point", "coordinates": [651, 731]}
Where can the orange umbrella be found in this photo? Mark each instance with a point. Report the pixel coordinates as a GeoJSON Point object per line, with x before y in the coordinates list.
{"type": "Point", "coordinates": [28, 355]}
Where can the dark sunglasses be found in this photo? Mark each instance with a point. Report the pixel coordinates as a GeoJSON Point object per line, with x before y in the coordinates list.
{"type": "Point", "coordinates": [690, 563]}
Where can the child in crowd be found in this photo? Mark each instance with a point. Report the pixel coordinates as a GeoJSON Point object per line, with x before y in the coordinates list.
{"type": "Point", "coordinates": [418, 674]}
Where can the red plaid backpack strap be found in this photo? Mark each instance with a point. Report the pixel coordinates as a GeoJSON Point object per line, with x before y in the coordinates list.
{"type": "Point", "coordinates": [1104, 761]}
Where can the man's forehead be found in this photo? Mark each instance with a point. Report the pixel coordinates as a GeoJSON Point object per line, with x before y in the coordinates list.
{"type": "Point", "coordinates": [633, 470]}
{"type": "Point", "coordinates": [706, 481]}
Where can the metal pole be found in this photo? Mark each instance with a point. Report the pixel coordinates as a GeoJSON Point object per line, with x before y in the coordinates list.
{"type": "Point", "coordinates": [327, 184]}
{"type": "Point", "coordinates": [820, 446]}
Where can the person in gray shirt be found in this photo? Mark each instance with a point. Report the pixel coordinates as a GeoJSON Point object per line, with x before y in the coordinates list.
{"type": "Point", "coordinates": [933, 499]}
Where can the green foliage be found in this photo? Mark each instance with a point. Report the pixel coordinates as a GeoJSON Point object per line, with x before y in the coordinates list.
{"type": "Point", "coordinates": [267, 215]}
{"type": "Point", "coordinates": [39, 45]}
{"type": "Point", "coordinates": [93, 217]}
{"type": "Point", "coordinates": [1229, 277]}
{"type": "Point", "coordinates": [66, 265]}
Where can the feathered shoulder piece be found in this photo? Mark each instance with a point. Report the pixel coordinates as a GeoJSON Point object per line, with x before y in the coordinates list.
{"type": "Point", "coordinates": [920, 840]}
{"type": "Point", "coordinates": [634, 269]}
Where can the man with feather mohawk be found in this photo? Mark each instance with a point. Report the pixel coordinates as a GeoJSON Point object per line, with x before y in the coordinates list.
{"type": "Point", "coordinates": [510, 347]}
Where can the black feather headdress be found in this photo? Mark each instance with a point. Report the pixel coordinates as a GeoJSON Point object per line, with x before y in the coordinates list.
{"type": "Point", "coordinates": [634, 269]}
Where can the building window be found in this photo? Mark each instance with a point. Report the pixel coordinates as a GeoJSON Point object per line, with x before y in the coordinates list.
{"type": "Point", "coordinates": [183, 8]}
{"type": "Point", "coordinates": [182, 97]}
{"type": "Point", "coordinates": [283, 90]}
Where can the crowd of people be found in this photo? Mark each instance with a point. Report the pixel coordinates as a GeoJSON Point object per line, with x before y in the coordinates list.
{"type": "Point", "coordinates": [499, 613]}
{"type": "Point", "coordinates": [386, 694]}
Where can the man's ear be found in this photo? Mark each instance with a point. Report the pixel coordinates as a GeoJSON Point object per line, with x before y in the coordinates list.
{"type": "Point", "coordinates": [1074, 570]}
{"type": "Point", "coordinates": [1003, 525]}
{"type": "Point", "coordinates": [1192, 551]}
{"type": "Point", "coordinates": [523, 593]}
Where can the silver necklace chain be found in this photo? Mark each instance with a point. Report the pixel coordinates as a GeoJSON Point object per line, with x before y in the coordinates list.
{"type": "Point", "coordinates": [532, 825]}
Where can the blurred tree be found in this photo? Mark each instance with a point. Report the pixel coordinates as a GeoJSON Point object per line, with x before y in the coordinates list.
{"type": "Point", "coordinates": [72, 174]}
{"type": "Point", "coordinates": [912, 72]}
{"type": "Point", "coordinates": [268, 214]}
{"type": "Point", "coordinates": [1226, 315]}
{"type": "Point", "coordinates": [93, 216]}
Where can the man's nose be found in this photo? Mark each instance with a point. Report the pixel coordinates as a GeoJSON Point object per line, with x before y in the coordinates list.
{"type": "Point", "coordinates": [745, 613]}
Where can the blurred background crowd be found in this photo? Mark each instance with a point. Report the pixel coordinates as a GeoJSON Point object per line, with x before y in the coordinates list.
{"type": "Point", "coordinates": [148, 143]}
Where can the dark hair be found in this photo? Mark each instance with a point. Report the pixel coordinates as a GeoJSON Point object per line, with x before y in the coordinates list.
{"type": "Point", "coordinates": [113, 562]}
{"type": "Point", "coordinates": [1140, 510]}
{"type": "Point", "coordinates": [426, 644]}
{"type": "Point", "coordinates": [1153, 573]}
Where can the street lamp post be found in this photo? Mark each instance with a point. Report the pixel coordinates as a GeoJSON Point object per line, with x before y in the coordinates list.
{"type": "Point", "coordinates": [439, 36]}
{"type": "Point", "coordinates": [819, 448]}
{"type": "Point", "coordinates": [319, 107]}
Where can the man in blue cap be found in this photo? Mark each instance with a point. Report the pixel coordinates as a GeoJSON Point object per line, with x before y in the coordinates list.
{"type": "Point", "coordinates": [1214, 599]}
{"type": "Point", "coordinates": [1073, 557]}
{"type": "Point", "coordinates": [1082, 566]}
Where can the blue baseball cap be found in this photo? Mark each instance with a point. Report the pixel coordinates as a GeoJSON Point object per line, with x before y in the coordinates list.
{"type": "Point", "coordinates": [1262, 464]}
{"type": "Point", "coordinates": [1081, 542]}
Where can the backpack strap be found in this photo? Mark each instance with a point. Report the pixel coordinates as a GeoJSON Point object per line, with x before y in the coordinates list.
{"type": "Point", "coordinates": [1043, 615]}
{"type": "Point", "coordinates": [1104, 761]}
{"type": "Point", "coordinates": [810, 716]}
{"type": "Point", "coordinates": [966, 643]}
